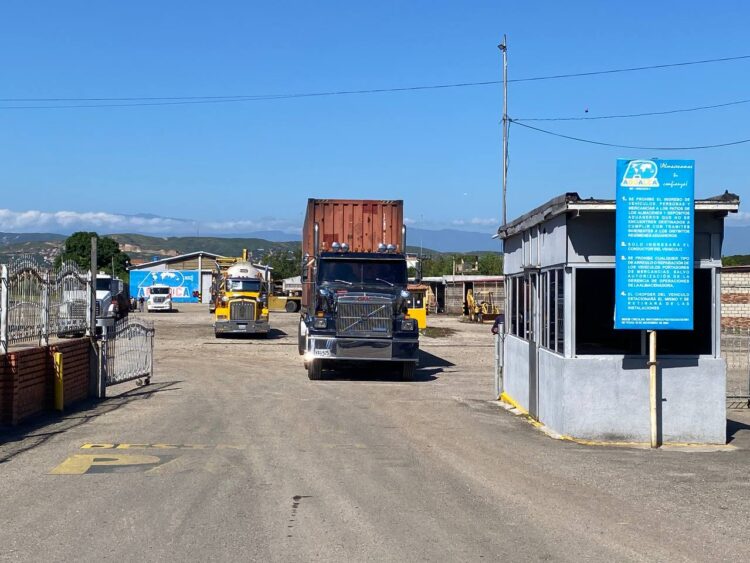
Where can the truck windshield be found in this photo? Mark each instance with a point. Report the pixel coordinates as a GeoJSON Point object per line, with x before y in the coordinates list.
{"type": "Point", "coordinates": [159, 291]}
{"type": "Point", "coordinates": [243, 285]}
{"type": "Point", "coordinates": [103, 284]}
{"type": "Point", "coordinates": [363, 272]}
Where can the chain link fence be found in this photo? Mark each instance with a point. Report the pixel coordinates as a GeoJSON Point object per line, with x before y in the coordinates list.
{"type": "Point", "coordinates": [38, 302]}
{"type": "Point", "coordinates": [735, 349]}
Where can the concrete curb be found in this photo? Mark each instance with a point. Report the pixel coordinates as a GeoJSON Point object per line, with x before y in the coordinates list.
{"type": "Point", "coordinates": [506, 402]}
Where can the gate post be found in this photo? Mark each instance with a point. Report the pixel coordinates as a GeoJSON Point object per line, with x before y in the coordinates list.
{"type": "Point", "coordinates": [44, 339]}
{"type": "Point", "coordinates": [4, 301]}
{"type": "Point", "coordinates": [499, 357]}
{"type": "Point", "coordinates": [103, 361]}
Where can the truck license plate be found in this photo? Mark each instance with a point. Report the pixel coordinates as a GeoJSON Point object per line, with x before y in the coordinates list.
{"type": "Point", "coordinates": [243, 327]}
{"type": "Point", "coordinates": [322, 353]}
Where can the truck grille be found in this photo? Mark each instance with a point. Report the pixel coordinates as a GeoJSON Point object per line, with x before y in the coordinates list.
{"type": "Point", "coordinates": [368, 318]}
{"type": "Point", "coordinates": [242, 311]}
{"type": "Point", "coordinates": [159, 299]}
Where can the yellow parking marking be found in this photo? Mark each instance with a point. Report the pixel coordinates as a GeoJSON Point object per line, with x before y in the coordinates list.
{"type": "Point", "coordinates": [115, 446]}
{"type": "Point", "coordinates": [80, 464]}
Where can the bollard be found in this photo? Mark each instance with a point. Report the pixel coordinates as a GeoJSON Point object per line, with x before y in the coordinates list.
{"type": "Point", "coordinates": [59, 388]}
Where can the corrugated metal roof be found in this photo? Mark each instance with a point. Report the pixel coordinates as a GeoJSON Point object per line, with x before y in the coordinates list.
{"type": "Point", "coordinates": [459, 278]}
{"type": "Point", "coordinates": [172, 259]}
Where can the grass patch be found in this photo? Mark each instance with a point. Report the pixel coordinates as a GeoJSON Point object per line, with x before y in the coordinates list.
{"type": "Point", "coordinates": [438, 332]}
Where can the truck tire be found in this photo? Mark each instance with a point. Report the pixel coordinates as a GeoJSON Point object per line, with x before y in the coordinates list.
{"type": "Point", "coordinates": [301, 344]}
{"type": "Point", "coordinates": [315, 370]}
{"type": "Point", "coordinates": [291, 306]}
{"type": "Point", "coordinates": [407, 371]}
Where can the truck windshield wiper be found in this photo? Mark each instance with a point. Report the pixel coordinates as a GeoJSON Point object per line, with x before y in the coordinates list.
{"type": "Point", "coordinates": [384, 281]}
{"type": "Point", "coordinates": [344, 281]}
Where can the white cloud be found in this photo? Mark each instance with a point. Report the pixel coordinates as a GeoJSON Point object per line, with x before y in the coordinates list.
{"type": "Point", "coordinates": [475, 221]}
{"type": "Point", "coordinates": [68, 221]}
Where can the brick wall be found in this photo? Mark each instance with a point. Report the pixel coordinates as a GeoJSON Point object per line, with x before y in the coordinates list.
{"type": "Point", "coordinates": [27, 379]}
{"type": "Point", "coordinates": [735, 297]}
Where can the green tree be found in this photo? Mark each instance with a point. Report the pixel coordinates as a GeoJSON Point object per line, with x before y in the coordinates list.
{"type": "Point", "coordinates": [108, 254]}
{"type": "Point", "coordinates": [285, 264]}
{"type": "Point", "coordinates": [491, 264]}
{"type": "Point", "coordinates": [736, 260]}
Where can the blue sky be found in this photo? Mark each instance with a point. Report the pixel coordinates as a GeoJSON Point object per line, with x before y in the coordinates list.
{"type": "Point", "coordinates": [251, 165]}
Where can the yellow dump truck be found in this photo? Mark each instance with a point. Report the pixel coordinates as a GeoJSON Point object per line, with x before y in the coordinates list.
{"type": "Point", "coordinates": [241, 297]}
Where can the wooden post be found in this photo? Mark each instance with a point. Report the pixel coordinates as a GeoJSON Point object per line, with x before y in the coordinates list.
{"type": "Point", "coordinates": [653, 398]}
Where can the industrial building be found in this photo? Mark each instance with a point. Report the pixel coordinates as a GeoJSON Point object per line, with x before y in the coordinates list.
{"type": "Point", "coordinates": [188, 275]}
{"type": "Point", "coordinates": [448, 293]}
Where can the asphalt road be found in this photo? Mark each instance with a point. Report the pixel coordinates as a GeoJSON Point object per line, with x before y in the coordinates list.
{"type": "Point", "coordinates": [233, 454]}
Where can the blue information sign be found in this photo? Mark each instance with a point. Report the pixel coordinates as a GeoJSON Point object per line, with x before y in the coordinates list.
{"type": "Point", "coordinates": [654, 244]}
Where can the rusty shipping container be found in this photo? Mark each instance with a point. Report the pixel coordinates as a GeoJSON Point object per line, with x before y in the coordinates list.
{"type": "Point", "coordinates": [361, 223]}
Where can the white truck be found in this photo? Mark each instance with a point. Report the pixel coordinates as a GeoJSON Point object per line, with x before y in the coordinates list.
{"type": "Point", "coordinates": [159, 298]}
{"type": "Point", "coordinates": [111, 302]}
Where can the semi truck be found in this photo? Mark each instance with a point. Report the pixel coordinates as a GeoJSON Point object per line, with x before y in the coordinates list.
{"type": "Point", "coordinates": [241, 297]}
{"type": "Point", "coordinates": [112, 302]}
{"type": "Point", "coordinates": [354, 295]}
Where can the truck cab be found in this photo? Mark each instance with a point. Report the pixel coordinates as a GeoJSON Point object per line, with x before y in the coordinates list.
{"type": "Point", "coordinates": [242, 301]}
{"type": "Point", "coordinates": [111, 302]}
{"type": "Point", "coordinates": [159, 298]}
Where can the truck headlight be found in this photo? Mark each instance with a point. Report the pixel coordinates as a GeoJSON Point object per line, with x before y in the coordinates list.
{"type": "Point", "coordinates": [408, 325]}
{"type": "Point", "coordinates": [320, 322]}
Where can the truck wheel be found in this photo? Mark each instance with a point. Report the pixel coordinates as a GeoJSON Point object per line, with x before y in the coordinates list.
{"type": "Point", "coordinates": [407, 371]}
{"type": "Point", "coordinates": [315, 370]}
{"type": "Point", "coordinates": [291, 307]}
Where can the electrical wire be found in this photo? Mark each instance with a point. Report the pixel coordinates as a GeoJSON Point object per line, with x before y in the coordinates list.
{"type": "Point", "coordinates": [601, 143]}
{"type": "Point", "coordinates": [182, 100]}
{"type": "Point", "coordinates": [631, 115]}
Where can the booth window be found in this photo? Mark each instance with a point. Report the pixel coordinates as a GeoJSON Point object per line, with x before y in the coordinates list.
{"type": "Point", "coordinates": [518, 305]}
{"type": "Point", "coordinates": [553, 310]}
{"type": "Point", "coordinates": [595, 307]}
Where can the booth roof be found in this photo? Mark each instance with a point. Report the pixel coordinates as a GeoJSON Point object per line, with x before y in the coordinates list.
{"type": "Point", "coordinates": [571, 201]}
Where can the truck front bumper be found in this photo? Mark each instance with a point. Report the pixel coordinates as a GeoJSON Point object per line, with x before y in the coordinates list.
{"type": "Point", "coordinates": [241, 327]}
{"type": "Point", "coordinates": [364, 349]}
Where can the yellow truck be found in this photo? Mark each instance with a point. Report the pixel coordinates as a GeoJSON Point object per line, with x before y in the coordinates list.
{"type": "Point", "coordinates": [417, 303]}
{"type": "Point", "coordinates": [241, 297]}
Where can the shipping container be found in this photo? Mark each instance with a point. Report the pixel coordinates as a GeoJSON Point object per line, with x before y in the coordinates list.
{"type": "Point", "coordinates": [362, 224]}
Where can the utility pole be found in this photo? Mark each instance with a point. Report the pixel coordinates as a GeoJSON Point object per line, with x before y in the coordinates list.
{"type": "Point", "coordinates": [504, 48]}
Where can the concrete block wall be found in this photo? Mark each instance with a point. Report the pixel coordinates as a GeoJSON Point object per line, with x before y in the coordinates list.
{"type": "Point", "coordinates": [735, 299]}
{"type": "Point", "coordinates": [27, 379]}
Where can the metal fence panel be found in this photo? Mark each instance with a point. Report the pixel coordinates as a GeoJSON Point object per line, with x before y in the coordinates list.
{"type": "Point", "coordinates": [129, 351]}
{"type": "Point", "coordinates": [37, 302]}
{"type": "Point", "coordinates": [735, 349]}
{"type": "Point", "coordinates": [27, 300]}
{"type": "Point", "coordinates": [69, 298]}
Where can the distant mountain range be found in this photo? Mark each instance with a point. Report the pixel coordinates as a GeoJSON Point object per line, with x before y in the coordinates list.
{"type": "Point", "coordinates": [444, 240]}
{"type": "Point", "coordinates": [144, 247]}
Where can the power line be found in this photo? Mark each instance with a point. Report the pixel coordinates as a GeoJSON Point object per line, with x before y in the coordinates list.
{"type": "Point", "coordinates": [601, 143]}
{"type": "Point", "coordinates": [182, 100]}
{"type": "Point", "coordinates": [632, 69]}
{"type": "Point", "coordinates": [630, 115]}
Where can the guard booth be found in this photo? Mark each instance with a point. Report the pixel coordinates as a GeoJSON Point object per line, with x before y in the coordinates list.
{"type": "Point", "coordinates": [565, 363]}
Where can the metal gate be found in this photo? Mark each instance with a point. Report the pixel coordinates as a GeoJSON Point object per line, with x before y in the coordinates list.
{"type": "Point", "coordinates": [128, 351]}
{"type": "Point", "coordinates": [735, 349]}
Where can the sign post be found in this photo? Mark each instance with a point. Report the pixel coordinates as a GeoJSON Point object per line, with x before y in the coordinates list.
{"type": "Point", "coordinates": [654, 254]}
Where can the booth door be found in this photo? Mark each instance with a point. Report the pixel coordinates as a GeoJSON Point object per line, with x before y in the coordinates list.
{"type": "Point", "coordinates": [532, 306]}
